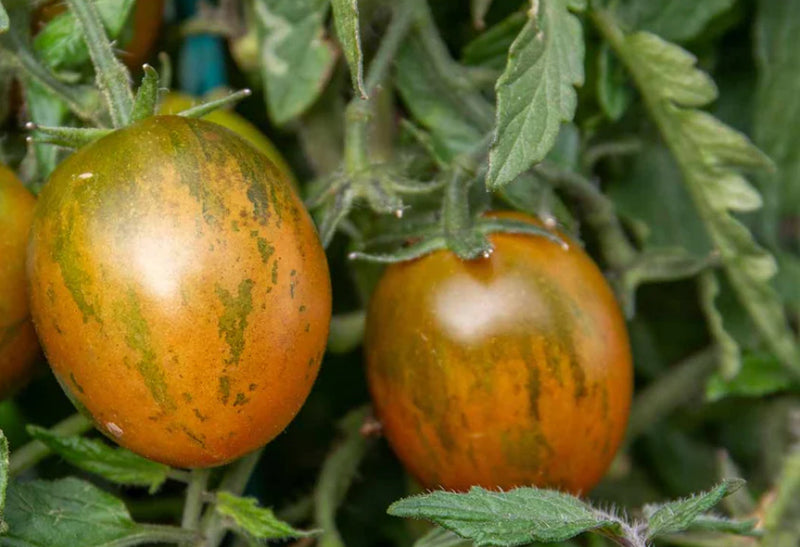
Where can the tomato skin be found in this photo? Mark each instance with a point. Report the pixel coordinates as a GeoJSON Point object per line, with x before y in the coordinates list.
{"type": "Point", "coordinates": [180, 290]}
{"type": "Point", "coordinates": [175, 102]}
{"type": "Point", "coordinates": [508, 371]}
{"type": "Point", "coordinates": [19, 347]}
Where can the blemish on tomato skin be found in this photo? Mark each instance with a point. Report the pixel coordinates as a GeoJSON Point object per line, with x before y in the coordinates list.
{"type": "Point", "coordinates": [200, 416]}
{"type": "Point", "coordinates": [75, 383]}
{"type": "Point", "coordinates": [233, 321]}
{"type": "Point", "coordinates": [114, 429]}
{"type": "Point", "coordinates": [241, 399]}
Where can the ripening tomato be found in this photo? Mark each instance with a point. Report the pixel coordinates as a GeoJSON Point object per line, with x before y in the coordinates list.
{"type": "Point", "coordinates": [179, 290]}
{"type": "Point", "coordinates": [175, 102]}
{"type": "Point", "coordinates": [500, 372]}
{"type": "Point", "coordinates": [18, 345]}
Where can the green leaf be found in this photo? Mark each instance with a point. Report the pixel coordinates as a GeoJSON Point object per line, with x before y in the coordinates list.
{"type": "Point", "coordinates": [728, 350]}
{"type": "Point", "coordinates": [70, 512]}
{"type": "Point", "coordinates": [115, 464]}
{"type": "Point", "coordinates": [722, 525]}
{"type": "Point", "coordinates": [677, 516]}
{"type": "Point", "coordinates": [296, 60]}
{"type": "Point", "coordinates": [3, 19]}
{"type": "Point", "coordinates": [490, 48]}
{"type": "Point", "coordinates": [515, 517]}
{"type": "Point", "coordinates": [761, 374]}
{"type": "Point", "coordinates": [345, 16]}
{"type": "Point", "coordinates": [535, 93]}
{"type": "Point", "coordinates": [613, 92]}
{"type": "Point", "coordinates": [781, 521]}
{"type": "Point", "coordinates": [257, 522]}
{"type": "Point", "coordinates": [433, 102]}
{"type": "Point", "coordinates": [48, 110]}
{"type": "Point", "coordinates": [439, 537]}
{"type": "Point", "coordinates": [3, 474]}
{"type": "Point", "coordinates": [674, 20]}
{"type": "Point", "coordinates": [709, 155]}
{"type": "Point", "coordinates": [776, 117]}
{"type": "Point", "coordinates": [60, 44]}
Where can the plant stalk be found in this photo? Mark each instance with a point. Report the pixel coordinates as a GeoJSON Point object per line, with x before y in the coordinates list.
{"type": "Point", "coordinates": [35, 451]}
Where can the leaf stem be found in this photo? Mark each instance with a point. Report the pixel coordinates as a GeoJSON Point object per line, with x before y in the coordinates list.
{"type": "Point", "coordinates": [35, 451]}
{"type": "Point", "coordinates": [598, 211]}
{"type": "Point", "coordinates": [392, 39]}
{"type": "Point", "coordinates": [682, 382]}
{"type": "Point", "coordinates": [234, 481]}
{"type": "Point", "coordinates": [193, 506]}
{"type": "Point", "coordinates": [149, 534]}
{"type": "Point", "coordinates": [112, 76]}
{"type": "Point", "coordinates": [337, 474]}
{"type": "Point", "coordinates": [346, 332]}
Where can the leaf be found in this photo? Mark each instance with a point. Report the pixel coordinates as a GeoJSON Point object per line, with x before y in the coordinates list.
{"type": "Point", "coordinates": [60, 43]}
{"type": "Point", "coordinates": [48, 110]}
{"type": "Point", "coordinates": [3, 19]}
{"type": "Point", "coordinates": [761, 374]}
{"type": "Point", "coordinates": [3, 473]}
{"type": "Point", "coordinates": [257, 522]}
{"type": "Point", "coordinates": [515, 517]}
{"type": "Point", "coordinates": [70, 512]}
{"type": "Point", "coordinates": [535, 92]}
{"type": "Point", "coordinates": [728, 350]}
{"type": "Point", "coordinates": [345, 16]}
{"type": "Point", "coordinates": [777, 117]}
{"type": "Point", "coordinates": [722, 525]}
{"type": "Point", "coordinates": [613, 93]}
{"type": "Point", "coordinates": [296, 60]}
{"type": "Point", "coordinates": [781, 522]}
{"type": "Point", "coordinates": [490, 48]}
{"type": "Point", "coordinates": [679, 515]}
{"type": "Point", "coordinates": [115, 464]}
{"type": "Point", "coordinates": [439, 537]}
{"type": "Point", "coordinates": [674, 20]}
{"type": "Point", "coordinates": [709, 154]}
{"type": "Point", "coordinates": [433, 102]}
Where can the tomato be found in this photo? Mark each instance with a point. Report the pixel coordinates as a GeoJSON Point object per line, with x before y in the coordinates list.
{"type": "Point", "coordinates": [174, 102]}
{"type": "Point", "coordinates": [147, 17]}
{"type": "Point", "coordinates": [179, 290]}
{"type": "Point", "coordinates": [500, 372]}
{"type": "Point", "coordinates": [18, 345]}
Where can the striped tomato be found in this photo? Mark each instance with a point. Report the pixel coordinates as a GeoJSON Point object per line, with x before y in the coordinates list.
{"type": "Point", "coordinates": [180, 290]}
{"type": "Point", "coordinates": [500, 372]}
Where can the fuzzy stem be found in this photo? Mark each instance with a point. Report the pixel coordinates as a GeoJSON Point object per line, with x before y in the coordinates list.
{"type": "Point", "coordinates": [675, 388]}
{"type": "Point", "coordinates": [212, 526]}
{"type": "Point", "coordinates": [395, 33]}
{"type": "Point", "coordinates": [112, 76]}
{"type": "Point", "coordinates": [193, 505]}
{"type": "Point", "coordinates": [150, 534]}
{"type": "Point", "coordinates": [35, 451]}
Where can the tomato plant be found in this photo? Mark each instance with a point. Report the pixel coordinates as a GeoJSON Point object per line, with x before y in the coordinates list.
{"type": "Point", "coordinates": [502, 371]}
{"type": "Point", "coordinates": [18, 345]}
{"type": "Point", "coordinates": [623, 334]}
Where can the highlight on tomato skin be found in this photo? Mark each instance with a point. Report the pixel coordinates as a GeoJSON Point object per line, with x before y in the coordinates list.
{"type": "Point", "coordinates": [507, 371]}
{"type": "Point", "coordinates": [182, 295]}
{"type": "Point", "coordinates": [19, 348]}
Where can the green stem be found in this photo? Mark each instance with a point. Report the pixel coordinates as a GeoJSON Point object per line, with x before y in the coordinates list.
{"type": "Point", "coordinates": [112, 76]}
{"type": "Point", "coordinates": [336, 476]}
{"type": "Point", "coordinates": [234, 481]}
{"type": "Point", "coordinates": [35, 451]}
{"type": "Point", "coordinates": [33, 70]}
{"type": "Point", "coordinates": [598, 211]}
{"type": "Point", "coordinates": [150, 534]}
{"type": "Point", "coordinates": [193, 505]}
{"type": "Point", "coordinates": [780, 521]}
{"type": "Point", "coordinates": [681, 383]}
{"type": "Point", "coordinates": [395, 33]}
{"type": "Point", "coordinates": [357, 116]}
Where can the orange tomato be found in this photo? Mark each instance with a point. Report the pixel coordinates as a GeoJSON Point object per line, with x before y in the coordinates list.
{"type": "Point", "coordinates": [180, 290]}
{"type": "Point", "coordinates": [500, 372]}
{"type": "Point", "coordinates": [18, 345]}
